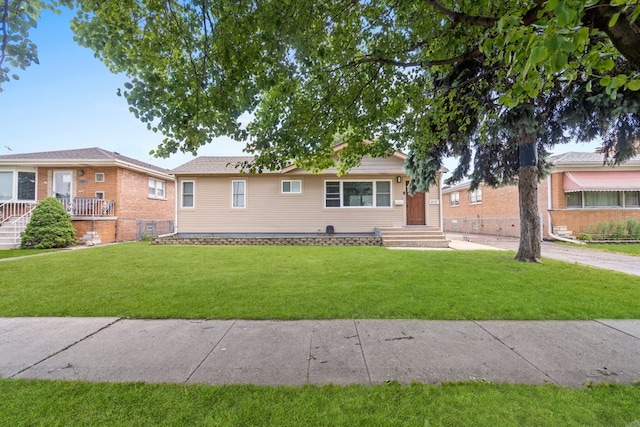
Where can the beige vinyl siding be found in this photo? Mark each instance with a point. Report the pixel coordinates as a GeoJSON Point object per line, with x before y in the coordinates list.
{"type": "Point", "coordinates": [268, 210]}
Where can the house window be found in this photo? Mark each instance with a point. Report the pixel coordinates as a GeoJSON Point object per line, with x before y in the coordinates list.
{"type": "Point", "coordinates": [602, 199]}
{"type": "Point", "coordinates": [6, 186]}
{"type": "Point", "coordinates": [475, 196]}
{"type": "Point", "coordinates": [100, 177]}
{"type": "Point", "coordinates": [574, 200]}
{"type": "Point", "coordinates": [24, 188]}
{"type": "Point", "coordinates": [454, 199]}
{"type": "Point", "coordinates": [156, 189]}
{"type": "Point", "coordinates": [632, 199]}
{"type": "Point", "coordinates": [188, 194]}
{"type": "Point", "coordinates": [357, 194]}
{"type": "Point", "coordinates": [100, 195]}
{"type": "Point", "coordinates": [292, 187]}
{"type": "Point", "coordinates": [238, 194]}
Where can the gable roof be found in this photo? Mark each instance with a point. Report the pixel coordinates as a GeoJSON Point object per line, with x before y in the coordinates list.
{"type": "Point", "coordinates": [82, 156]}
{"type": "Point", "coordinates": [212, 165]}
{"type": "Point", "coordinates": [585, 158]}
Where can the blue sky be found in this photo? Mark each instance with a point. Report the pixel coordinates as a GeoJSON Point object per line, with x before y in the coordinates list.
{"type": "Point", "coordinates": [69, 101]}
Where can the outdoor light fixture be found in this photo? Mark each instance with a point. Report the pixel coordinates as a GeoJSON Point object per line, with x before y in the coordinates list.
{"type": "Point", "coordinates": [80, 172]}
{"type": "Point", "coordinates": [398, 179]}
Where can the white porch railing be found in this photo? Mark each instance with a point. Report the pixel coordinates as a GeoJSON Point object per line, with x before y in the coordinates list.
{"type": "Point", "coordinates": [11, 210]}
{"type": "Point", "coordinates": [86, 206]}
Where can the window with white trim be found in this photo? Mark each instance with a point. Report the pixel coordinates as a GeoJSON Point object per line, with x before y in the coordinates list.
{"type": "Point", "coordinates": [475, 196]}
{"type": "Point", "coordinates": [454, 199]}
{"type": "Point", "coordinates": [17, 185]}
{"type": "Point", "coordinates": [363, 194]}
{"type": "Point", "coordinates": [188, 194]}
{"type": "Point", "coordinates": [239, 194]}
{"type": "Point", "coordinates": [156, 189]}
{"type": "Point", "coordinates": [99, 176]}
{"type": "Point", "coordinates": [603, 199]}
{"type": "Point", "coordinates": [291, 186]}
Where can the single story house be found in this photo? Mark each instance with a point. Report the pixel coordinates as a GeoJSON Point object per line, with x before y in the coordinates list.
{"type": "Point", "coordinates": [216, 197]}
{"type": "Point", "coordinates": [579, 192]}
{"type": "Point", "coordinates": [109, 196]}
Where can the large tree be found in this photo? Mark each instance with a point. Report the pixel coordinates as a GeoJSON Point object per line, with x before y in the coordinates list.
{"type": "Point", "coordinates": [307, 71]}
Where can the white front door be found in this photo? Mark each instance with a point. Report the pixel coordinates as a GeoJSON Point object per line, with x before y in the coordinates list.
{"type": "Point", "coordinates": [62, 186]}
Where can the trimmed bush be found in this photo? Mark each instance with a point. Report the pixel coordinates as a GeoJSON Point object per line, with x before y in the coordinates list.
{"type": "Point", "coordinates": [50, 227]}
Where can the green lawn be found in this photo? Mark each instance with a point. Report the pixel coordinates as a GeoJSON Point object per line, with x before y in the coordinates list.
{"type": "Point", "coordinates": [140, 280]}
{"type": "Point", "coordinates": [45, 403]}
{"type": "Point", "coordinates": [13, 253]}
{"type": "Point", "coordinates": [625, 248]}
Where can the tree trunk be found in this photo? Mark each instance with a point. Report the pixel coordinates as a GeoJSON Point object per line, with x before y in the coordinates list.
{"type": "Point", "coordinates": [529, 249]}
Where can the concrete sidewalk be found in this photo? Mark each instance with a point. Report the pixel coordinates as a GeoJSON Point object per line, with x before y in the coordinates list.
{"type": "Point", "coordinates": [571, 353]}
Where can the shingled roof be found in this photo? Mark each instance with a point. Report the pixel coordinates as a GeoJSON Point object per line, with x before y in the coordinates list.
{"type": "Point", "coordinates": [78, 156]}
{"type": "Point", "coordinates": [213, 165]}
{"type": "Point", "coordinates": [585, 158]}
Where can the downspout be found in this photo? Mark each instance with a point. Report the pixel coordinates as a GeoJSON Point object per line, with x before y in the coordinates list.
{"type": "Point", "coordinates": [549, 221]}
{"type": "Point", "coordinates": [440, 199]}
{"type": "Point", "coordinates": [175, 207]}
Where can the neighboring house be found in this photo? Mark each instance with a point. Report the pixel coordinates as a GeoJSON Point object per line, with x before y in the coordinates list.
{"type": "Point", "coordinates": [579, 192]}
{"type": "Point", "coordinates": [216, 197]}
{"type": "Point", "coordinates": [107, 194]}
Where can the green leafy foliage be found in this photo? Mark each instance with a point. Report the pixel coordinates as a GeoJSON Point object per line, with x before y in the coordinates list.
{"type": "Point", "coordinates": [613, 230]}
{"type": "Point", "coordinates": [49, 227]}
{"type": "Point", "coordinates": [17, 19]}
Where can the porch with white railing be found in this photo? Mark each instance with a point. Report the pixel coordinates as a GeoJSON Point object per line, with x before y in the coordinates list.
{"type": "Point", "coordinates": [89, 207]}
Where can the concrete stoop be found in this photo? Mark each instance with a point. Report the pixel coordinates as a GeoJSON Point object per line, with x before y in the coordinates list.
{"type": "Point", "coordinates": [413, 237]}
{"type": "Point", "coordinates": [6, 237]}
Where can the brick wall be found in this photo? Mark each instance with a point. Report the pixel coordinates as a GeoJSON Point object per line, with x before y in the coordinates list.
{"type": "Point", "coordinates": [106, 229]}
{"type": "Point", "coordinates": [579, 220]}
{"type": "Point", "coordinates": [128, 188]}
{"type": "Point", "coordinates": [499, 210]}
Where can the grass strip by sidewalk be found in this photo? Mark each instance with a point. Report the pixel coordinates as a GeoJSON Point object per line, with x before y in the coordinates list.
{"type": "Point", "coordinates": [14, 253]}
{"type": "Point", "coordinates": [28, 403]}
{"type": "Point", "coordinates": [623, 248]}
{"type": "Point", "coordinates": [140, 280]}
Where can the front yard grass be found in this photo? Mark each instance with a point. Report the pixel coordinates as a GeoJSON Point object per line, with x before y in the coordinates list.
{"type": "Point", "coordinates": [13, 253]}
{"type": "Point", "coordinates": [140, 280]}
{"type": "Point", "coordinates": [624, 248]}
{"type": "Point", "coordinates": [27, 403]}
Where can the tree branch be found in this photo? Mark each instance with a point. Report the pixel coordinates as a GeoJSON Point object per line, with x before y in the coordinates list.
{"type": "Point", "coordinates": [480, 21]}
{"type": "Point", "coordinates": [5, 32]}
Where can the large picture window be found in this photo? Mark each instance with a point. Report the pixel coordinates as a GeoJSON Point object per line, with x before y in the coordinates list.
{"type": "Point", "coordinates": [603, 199]}
{"type": "Point", "coordinates": [341, 194]}
{"type": "Point", "coordinates": [17, 185]}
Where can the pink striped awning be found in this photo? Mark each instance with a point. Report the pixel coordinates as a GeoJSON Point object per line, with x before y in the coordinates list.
{"type": "Point", "coordinates": [601, 181]}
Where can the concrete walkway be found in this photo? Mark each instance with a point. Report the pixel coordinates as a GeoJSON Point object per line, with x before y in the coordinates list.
{"type": "Point", "coordinates": [357, 351]}
{"type": "Point", "coordinates": [574, 254]}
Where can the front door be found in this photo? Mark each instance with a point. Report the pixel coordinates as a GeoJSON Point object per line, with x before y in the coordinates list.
{"type": "Point", "coordinates": [62, 187]}
{"type": "Point", "coordinates": [415, 209]}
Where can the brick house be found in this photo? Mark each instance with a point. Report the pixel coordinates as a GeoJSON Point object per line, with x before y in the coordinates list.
{"type": "Point", "coordinates": [108, 195]}
{"type": "Point", "coordinates": [580, 191]}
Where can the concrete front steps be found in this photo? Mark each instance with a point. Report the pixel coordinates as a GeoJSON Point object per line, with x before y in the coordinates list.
{"type": "Point", "coordinates": [7, 236]}
{"type": "Point", "coordinates": [413, 237]}
{"type": "Point", "coordinates": [561, 230]}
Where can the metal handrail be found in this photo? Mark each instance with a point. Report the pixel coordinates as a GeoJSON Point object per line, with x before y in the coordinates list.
{"type": "Point", "coordinates": [21, 222]}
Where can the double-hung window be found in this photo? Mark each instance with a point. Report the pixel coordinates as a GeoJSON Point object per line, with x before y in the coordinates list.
{"type": "Point", "coordinates": [239, 194]}
{"type": "Point", "coordinates": [156, 189]}
{"type": "Point", "coordinates": [341, 194]}
{"type": "Point", "coordinates": [454, 199]}
{"type": "Point", "coordinates": [188, 194]}
{"type": "Point", "coordinates": [475, 196]}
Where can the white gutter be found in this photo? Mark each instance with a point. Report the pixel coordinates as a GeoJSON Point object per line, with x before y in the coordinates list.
{"type": "Point", "coordinates": [550, 225]}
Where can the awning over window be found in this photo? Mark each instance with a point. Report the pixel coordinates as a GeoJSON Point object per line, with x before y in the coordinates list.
{"type": "Point", "coordinates": [601, 181]}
